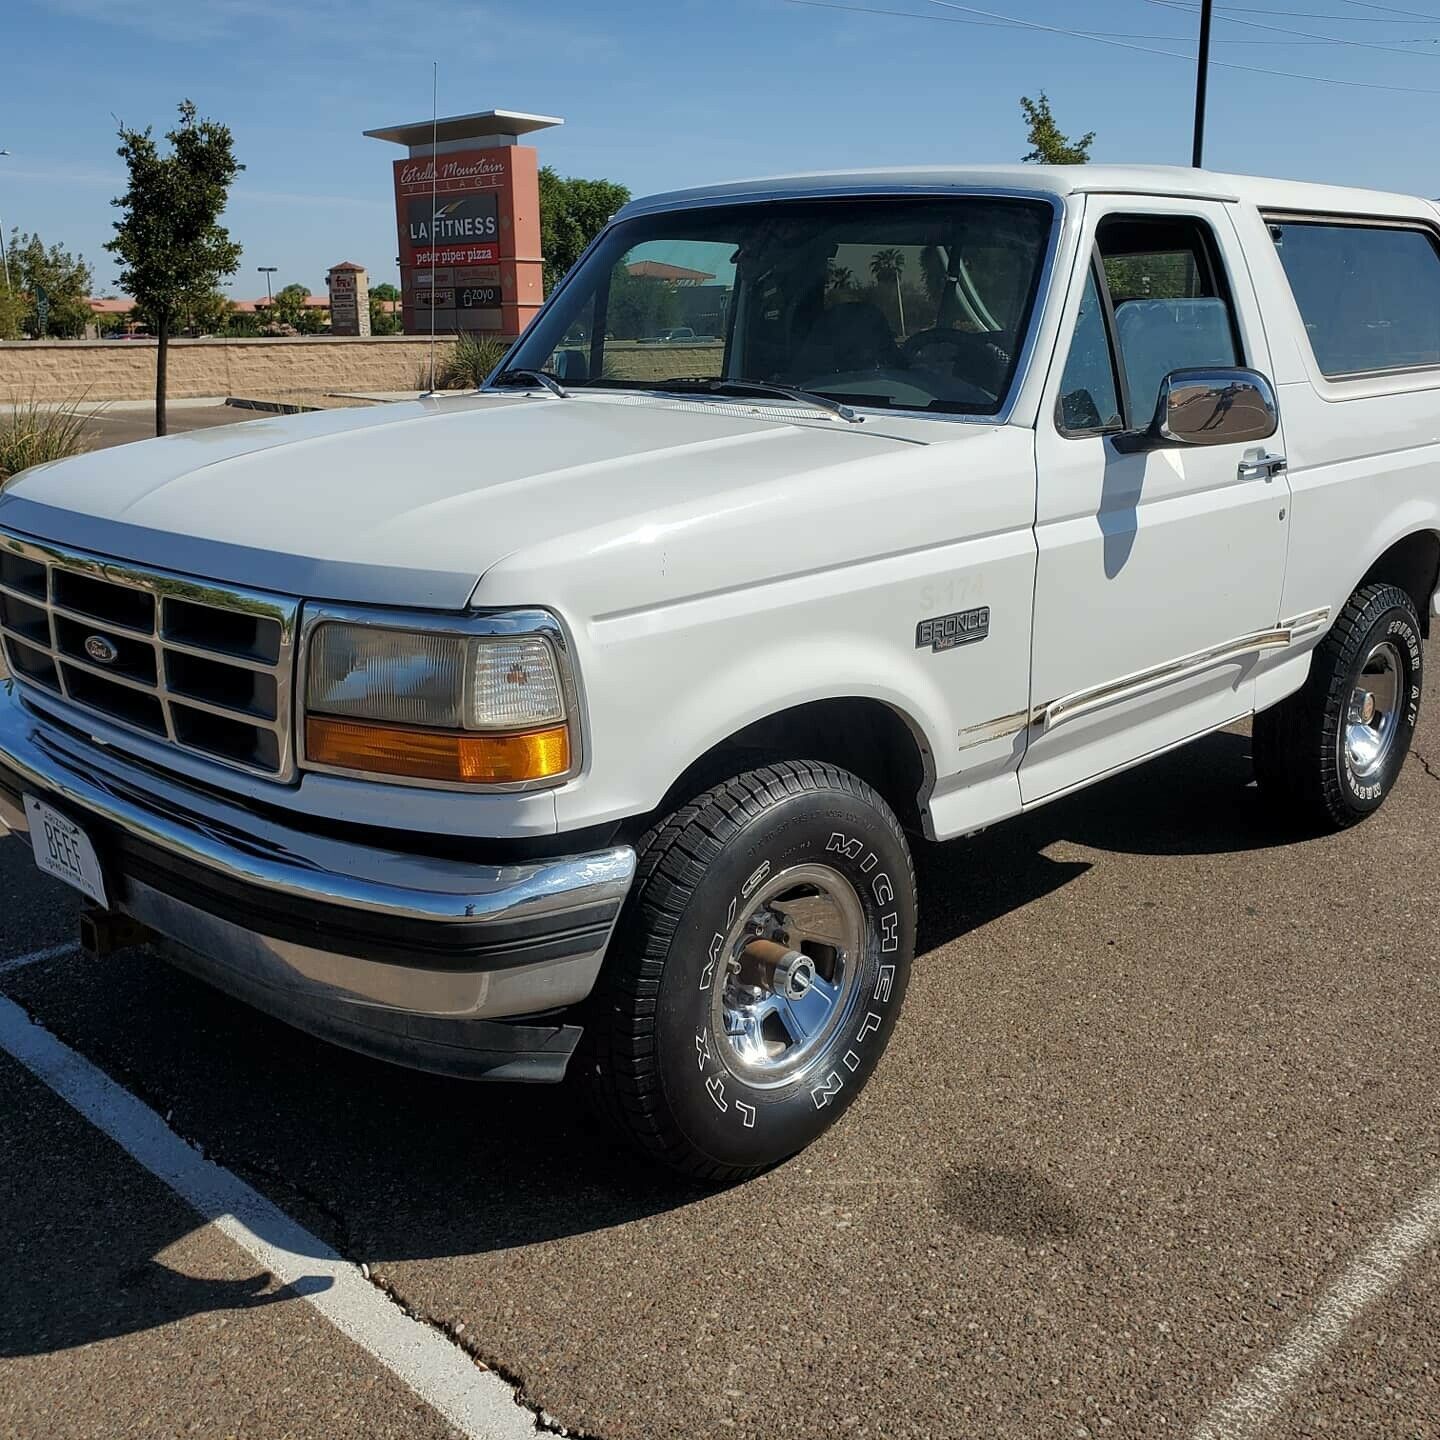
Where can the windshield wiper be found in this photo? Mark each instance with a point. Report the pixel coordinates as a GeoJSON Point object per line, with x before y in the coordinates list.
{"type": "Point", "coordinates": [548, 381]}
{"type": "Point", "coordinates": [760, 387]}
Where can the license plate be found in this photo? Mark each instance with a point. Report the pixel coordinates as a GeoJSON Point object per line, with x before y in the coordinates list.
{"type": "Point", "coordinates": [63, 849]}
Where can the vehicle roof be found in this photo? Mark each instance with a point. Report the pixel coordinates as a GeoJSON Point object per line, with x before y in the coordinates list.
{"type": "Point", "coordinates": [1057, 181]}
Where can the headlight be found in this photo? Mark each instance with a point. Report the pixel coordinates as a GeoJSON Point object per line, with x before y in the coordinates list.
{"type": "Point", "coordinates": [427, 705]}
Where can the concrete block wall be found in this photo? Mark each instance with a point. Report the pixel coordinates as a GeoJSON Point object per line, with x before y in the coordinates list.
{"type": "Point", "coordinates": [94, 370]}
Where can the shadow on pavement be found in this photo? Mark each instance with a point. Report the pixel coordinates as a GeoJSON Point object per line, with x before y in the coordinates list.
{"type": "Point", "coordinates": [393, 1165]}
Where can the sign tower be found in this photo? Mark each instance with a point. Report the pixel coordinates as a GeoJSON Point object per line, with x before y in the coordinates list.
{"type": "Point", "coordinates": [467, 214]}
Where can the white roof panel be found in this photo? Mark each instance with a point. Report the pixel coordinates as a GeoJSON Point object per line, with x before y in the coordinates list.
{"type": "Point", "coordinates": [1058, 181]}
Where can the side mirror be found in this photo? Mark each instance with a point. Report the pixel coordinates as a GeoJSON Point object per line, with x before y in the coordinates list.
{"type": "Point", "coordinates": [1208, 407]}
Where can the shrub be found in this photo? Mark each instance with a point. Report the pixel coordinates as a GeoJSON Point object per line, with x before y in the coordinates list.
{"type": "Point", "coordinates": [32, 433]}
{"type": "Point", "coordinates": [462, 361]}
{"type": "Point", "coordinates": [471, 359]}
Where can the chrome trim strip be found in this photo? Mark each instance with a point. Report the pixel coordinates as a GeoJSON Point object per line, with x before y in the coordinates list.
{"type": "Point", "coordinates": [248, 848]}
{"type": "Point", "coordinates": [997, 729]}
{"type": "Point", "coordinates": [540, 623]}
{"type": "Point", "coordinates": [162, 586]}
{"type": "Point", "coordinates": [1129, 687]}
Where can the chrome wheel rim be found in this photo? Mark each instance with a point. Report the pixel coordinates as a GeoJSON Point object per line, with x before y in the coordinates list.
{"type": "Point", "coordinates": [1372, 719]}
{"type": "Point", "coordinates": [789, 974]}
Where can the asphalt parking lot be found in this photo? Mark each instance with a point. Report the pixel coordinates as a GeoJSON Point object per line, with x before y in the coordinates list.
{"type": "Point", "coordinates": [1155, 1151]}
{"type": "Point", "coordinates": [120, 424]}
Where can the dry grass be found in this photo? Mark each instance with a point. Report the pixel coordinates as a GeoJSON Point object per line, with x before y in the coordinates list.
{"type": "Point", "coordinates": [31, 433]}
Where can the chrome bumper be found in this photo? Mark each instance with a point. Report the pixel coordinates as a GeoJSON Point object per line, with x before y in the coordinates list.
{"type": "Point", "coordinates": [402, 955]}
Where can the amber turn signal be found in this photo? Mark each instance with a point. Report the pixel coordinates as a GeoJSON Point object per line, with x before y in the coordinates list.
{"type": "Point", "coordinates": [446, 755]}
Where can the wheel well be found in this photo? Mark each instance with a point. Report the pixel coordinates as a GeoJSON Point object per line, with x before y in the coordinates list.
{"type": "Point", "coordinates": [866, 737]}
{"type": "Point", "coordinates": [1414, 565]}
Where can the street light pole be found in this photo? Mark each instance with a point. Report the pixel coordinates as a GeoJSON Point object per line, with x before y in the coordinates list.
{"type": "Point", "coordinates": [267, 271]}
{"type": "Point", "coordinates": [1202, 75]}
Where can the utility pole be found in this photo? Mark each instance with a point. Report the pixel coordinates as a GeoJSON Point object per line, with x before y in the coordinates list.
{"type": "Point", "coordinates": [1202, 75]}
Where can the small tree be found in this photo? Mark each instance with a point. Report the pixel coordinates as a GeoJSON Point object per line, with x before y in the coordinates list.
{"type": "Point", "coordinates": [170, 241]}
{"type": "Point", "coordinates": [1048, 145]}
{"type": "Point", "coordinates": [64, 278]}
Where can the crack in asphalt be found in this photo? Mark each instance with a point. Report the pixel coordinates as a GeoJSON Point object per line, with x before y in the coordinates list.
{"type": "Point", "coordinates": [1429, 769]}
{"type": "Point", "coordinates": [341, 1236]}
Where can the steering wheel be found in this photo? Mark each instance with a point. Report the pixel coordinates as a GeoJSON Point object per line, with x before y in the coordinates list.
{"type": "Point", "coordinates": [975, 352]}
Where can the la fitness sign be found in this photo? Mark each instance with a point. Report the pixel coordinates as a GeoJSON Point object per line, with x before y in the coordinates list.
{"type": "Point", "coordinates": [467, 223]}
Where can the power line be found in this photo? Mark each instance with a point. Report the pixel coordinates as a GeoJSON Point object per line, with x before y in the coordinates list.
{"type": "Point", "coordinates": [1098, 34]}
{"type": "Point", "coordinates": [1283, 30]}
{"type": "Point", "coordinates": [1224, 64]}
{"type": "Point", "coordinates": [1336, 19]}
{"type": "Point", "coordinates": [1010, 22]}
{"type": "Point", "coordinates": [1390, 10]}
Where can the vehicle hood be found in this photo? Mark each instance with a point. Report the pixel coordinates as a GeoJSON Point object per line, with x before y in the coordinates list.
{"type": "Point", "coordinates": [409, 504]}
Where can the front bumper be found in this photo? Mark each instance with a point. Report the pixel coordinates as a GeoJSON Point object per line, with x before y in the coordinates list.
{"type": "Point", "coordinates": [410, 957]}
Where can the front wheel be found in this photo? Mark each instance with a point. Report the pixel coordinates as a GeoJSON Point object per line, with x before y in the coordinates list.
{"type": "Point", "coordinates": [1332, 751]}
{"type": "Point", "coordinates": [757, 972]}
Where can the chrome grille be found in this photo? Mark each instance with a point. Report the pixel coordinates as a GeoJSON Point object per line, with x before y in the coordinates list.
{"type": "Point", "coordinates": [206, 668]}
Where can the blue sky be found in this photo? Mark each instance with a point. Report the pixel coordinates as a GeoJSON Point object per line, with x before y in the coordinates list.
{"type": "Point", "coordinates": [663, 93]}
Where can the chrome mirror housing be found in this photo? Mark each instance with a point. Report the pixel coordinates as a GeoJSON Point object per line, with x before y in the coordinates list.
{"type": "Point", "coordinates": [1221, 406]}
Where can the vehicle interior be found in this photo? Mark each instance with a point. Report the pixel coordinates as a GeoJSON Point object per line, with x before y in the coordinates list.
{"type": "Point", "coordinates": [917, 304]}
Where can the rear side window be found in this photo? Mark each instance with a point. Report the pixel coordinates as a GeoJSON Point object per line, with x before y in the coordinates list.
{"type": "Point", "coordinates": [1369, 294]}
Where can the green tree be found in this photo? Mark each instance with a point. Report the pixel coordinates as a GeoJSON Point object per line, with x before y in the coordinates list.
{"type": "Point", "coordinates": [12, 308]}
{"type": "Point", "coordinates": [572, 214]}
{"type": "Point", "coordinates": [1048, 145]}
{"type": "Point", "coordinates": [384, 314]}
{"type": "Point", "coordinates": [170, 240]}
{"type": "Point", "coordinates": [205, 313]}
{"type": "Point", "coordinates": [289, 307]}
{"type": "Point", "coordinates": [65, 280]}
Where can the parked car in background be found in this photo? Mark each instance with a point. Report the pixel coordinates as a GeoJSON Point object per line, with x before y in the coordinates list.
{"type": "Point", "coordinates": [598, 745]}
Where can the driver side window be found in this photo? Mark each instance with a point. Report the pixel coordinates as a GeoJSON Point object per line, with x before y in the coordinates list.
{"type": "Point", "coordinates": [1156, 300]}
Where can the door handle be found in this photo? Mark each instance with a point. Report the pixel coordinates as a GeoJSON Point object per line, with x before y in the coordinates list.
{"type": "Point", "coordinates": [1262, 467]}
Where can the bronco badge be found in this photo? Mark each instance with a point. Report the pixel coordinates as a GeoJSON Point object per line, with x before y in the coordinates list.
{"type": "Point", "coordinates": [945, 632]}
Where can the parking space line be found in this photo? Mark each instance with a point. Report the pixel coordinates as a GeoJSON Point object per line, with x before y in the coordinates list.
{"type": "Point", "coordinates": [476, 1401]}
{"type": "Point", "coordinates": [1252, 1406]}
{"type": "Point", "coordinates": [36, 957]}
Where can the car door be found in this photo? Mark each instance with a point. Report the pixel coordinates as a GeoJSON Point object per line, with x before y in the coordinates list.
{"type": "Point", "coordinates": [1155, 569]}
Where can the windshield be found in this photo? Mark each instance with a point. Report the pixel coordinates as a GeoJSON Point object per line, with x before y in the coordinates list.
{"type": "Point", "coordinates": [915, 304]}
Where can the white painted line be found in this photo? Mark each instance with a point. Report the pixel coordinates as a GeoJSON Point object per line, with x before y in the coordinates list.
{"type": "Point", "coordinates": [37, 957]}
{"type": "Point", "coordinates": [477, 1402]}
{"type": "Point", "coordinates": [1250, 1409]}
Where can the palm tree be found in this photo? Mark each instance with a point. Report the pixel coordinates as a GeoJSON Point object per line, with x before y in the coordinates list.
{"type": "Point", "coordinates": [838, 277]}
{"type": "Point", "coordinates": [887, 266]}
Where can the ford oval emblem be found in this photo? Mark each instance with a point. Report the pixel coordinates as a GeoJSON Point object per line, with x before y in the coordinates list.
{"type": "Point", "coordinates": [101, 650]}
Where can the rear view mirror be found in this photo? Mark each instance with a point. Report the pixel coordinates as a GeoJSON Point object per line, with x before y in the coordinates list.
{"type": "Point", "coordinates": [1222, 406]}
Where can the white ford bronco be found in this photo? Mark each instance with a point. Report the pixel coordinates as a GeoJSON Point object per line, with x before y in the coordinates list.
{"type": "Point", "coordinates": [579, 723]}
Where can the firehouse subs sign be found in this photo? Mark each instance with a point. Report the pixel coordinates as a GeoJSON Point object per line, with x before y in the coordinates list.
{"type": "Point", "coordinates": [467, 221]}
